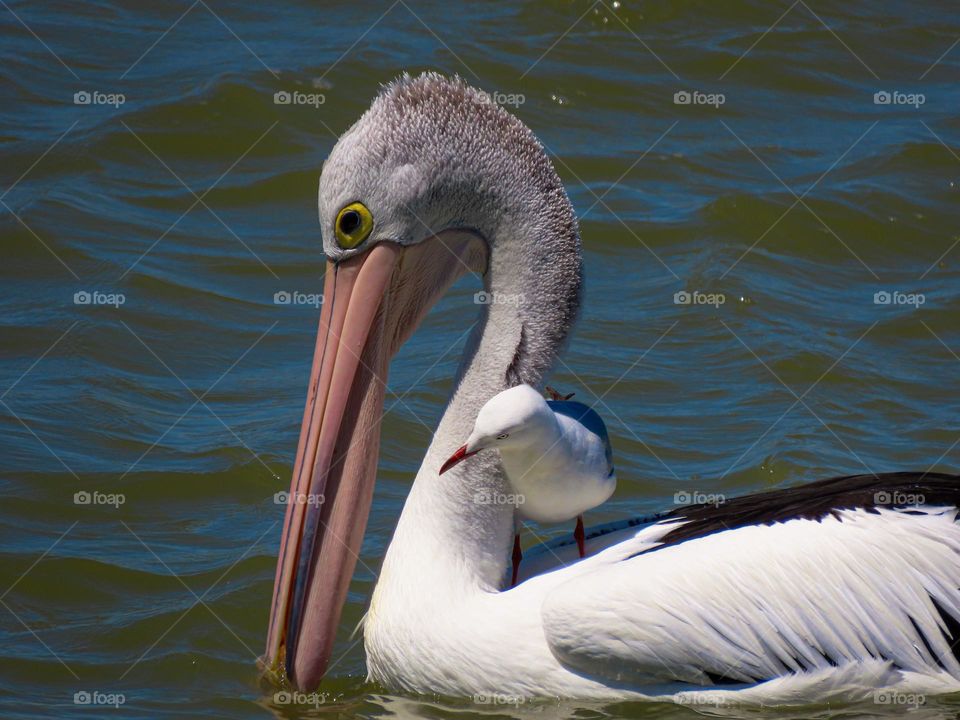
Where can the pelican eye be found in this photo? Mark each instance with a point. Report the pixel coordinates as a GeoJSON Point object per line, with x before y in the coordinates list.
{"type": "Point", "coordinates": [353, 226]}
{"type": "Point", "coordinates": [503, 436]}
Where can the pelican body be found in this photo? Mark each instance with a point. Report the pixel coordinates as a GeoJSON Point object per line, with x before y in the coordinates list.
{"type": "Point", "coordinates": [823, 592]}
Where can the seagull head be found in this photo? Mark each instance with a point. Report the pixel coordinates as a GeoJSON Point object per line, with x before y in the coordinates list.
{"type": "Point", "coordinates": [512, 419]}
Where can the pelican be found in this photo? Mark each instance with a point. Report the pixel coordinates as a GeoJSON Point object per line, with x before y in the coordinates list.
{"type": "Point", "coordinates": [556, 457]}
{"type": "Point", "coordinates": [827, 590]}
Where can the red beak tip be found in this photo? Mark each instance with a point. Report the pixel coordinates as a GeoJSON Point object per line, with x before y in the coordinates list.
{"type": "Point", "coordinates": [459, 455]}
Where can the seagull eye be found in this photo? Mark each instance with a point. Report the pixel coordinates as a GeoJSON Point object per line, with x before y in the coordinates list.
{"type": "Point", "coordinates": [354, 223]}
{"type": "Point", "coordinates": [503, 436]}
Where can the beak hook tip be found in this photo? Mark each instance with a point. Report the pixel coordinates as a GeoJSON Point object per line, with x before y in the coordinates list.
{"type": "Point", "coordinates": [457, 457]}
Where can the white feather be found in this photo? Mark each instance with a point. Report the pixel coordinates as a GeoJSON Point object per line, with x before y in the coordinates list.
{"type": "Point", "coordinates": [800, 611]}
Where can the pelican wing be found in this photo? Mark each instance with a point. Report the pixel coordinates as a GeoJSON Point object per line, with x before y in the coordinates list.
{"type": "Point", "coordinates": [772, 596]}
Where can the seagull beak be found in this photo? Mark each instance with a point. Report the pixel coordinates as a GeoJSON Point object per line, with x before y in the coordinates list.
{"type": "Point", "coordinates": [372, 303]}
{"type": "Point", "coordinates": [458, 456]}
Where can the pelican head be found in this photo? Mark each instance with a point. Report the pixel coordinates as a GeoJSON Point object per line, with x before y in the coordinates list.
{"type": "Point", "coordinates": [432, 182]}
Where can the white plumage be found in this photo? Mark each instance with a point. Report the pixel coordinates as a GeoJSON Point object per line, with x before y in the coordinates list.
{"type": "Point", "coordinates": [767, 600]}
{"type": "Point", "coordinates": [791, 612]}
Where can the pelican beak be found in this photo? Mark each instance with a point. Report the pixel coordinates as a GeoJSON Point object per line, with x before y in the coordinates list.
{"type": "Point", "coordinates": [460, 455]}
{"type": "Point", "coordinates": [372, 303]}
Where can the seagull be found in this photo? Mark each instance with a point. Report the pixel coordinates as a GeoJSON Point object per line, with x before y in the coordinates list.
{"type": "Point", "coordinates": [556, 456]}
{"type": "Point", "coordinates": [819, 592]}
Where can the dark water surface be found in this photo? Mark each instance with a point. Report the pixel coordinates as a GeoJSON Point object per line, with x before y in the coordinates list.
{"type": "Point", "coordinates": [797, 199]}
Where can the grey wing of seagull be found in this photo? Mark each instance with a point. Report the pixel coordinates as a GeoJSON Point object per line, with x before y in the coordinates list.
{"type": "Point", "coordinates": [588, 417]}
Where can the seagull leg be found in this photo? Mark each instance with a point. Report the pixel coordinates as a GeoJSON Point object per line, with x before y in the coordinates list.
{"type": "Point", "coordinates": [556, 394]}
{"type": "Point", "coordinates": [579, 535]}
{"type": "Point", "coordinates": [517, 557]}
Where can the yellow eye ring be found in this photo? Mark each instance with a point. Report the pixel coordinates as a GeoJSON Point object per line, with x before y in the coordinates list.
{"type": "Point", "coordinates": [353, 226]}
